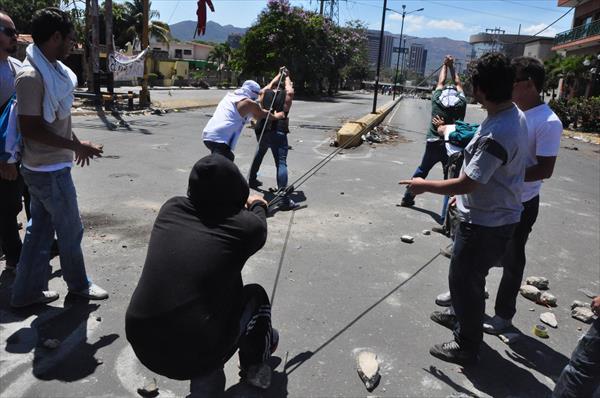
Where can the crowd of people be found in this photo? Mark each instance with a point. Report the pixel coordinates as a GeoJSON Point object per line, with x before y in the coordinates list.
{"type": "Point", "coordinates": [191, 311]}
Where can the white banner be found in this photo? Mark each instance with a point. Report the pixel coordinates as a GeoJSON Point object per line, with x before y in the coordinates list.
{"type": "Point", "coordinates": [125, 67]}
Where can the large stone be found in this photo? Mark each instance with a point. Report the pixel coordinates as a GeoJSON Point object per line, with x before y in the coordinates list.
{"type": "Point", "coordinates": [584, 314]}
{"type": "Point", "coordinates": [577, 303]}
{"type": "Point", "coordinates": [548, 299]}
{"type": "Point", "coordinates": [530, 292]}
{"type": "Point", "coordinates": [538, 281]}
{"type": "Point", "coordinates": [549, 319]}
{"type": "Point", "coordinates": [407, 239]}
{"type": "Point", "coordinates": [367, 367]}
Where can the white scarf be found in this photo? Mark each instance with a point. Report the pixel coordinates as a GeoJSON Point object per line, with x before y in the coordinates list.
{"type": "Point", "coordinates": [59, 84]}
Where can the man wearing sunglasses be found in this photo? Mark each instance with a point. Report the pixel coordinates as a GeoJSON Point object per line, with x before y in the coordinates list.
{"type": "Point", "coordinates": [11, 182]}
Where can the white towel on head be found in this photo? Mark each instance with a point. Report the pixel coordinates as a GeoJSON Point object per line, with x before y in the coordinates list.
{"type": "Point", "coordinates": [59, 84]}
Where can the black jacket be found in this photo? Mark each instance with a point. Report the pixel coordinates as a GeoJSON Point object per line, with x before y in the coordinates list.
{"type": "Point", "coordinates": [184, 314]}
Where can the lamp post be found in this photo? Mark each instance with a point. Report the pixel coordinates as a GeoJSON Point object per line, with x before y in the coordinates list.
{"type": "Point", "coordinates": [401, 48]}
{"type": "Point", "coordinates": [379, 57]}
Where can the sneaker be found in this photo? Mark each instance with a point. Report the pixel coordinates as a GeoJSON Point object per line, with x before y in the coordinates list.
{"type": "Point", "coordinates": [45, 297]}
{"type": "Point", "coordinates": [444, 318]}
{"type": "Point", "coordinates": [407, 202]}
{"type": "Point", "coordinates": [496, 325]}
{"type": "Point", "coordinates": [274, 340]}
{"type": "Point", "coordinates": [254, 183]}
{"type": "Point", "coordinates": [259, 376]}
{"type": "Point", "coordinates": [452, 352]}
{"type": "Point", "coordinates": [444, 299]}
{"type": "Point", "coordinates": [92, 292]}
{"type": "Point", "coordinates": [439, 229]}
{"type": "Point", "coordinates": [289, 205]}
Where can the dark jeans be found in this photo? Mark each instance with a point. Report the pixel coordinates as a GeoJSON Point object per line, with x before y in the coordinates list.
{"type": "Point", "coordinates": [435, 152]}
{"type": "Point", "coordinates": [476, 250]}
{"type": "Point", "coordinates": [581, 376]}
{"type": "Point", "coordinates": [11, 194]}
{"type": "Point", "coordinates": [513, 261]}
{"type": "Point", "coordinates": [220, 148]}
{"type": "Point", "coordinates": [254, 342]}
{"type": "Point", "coordinates": [278, 143]}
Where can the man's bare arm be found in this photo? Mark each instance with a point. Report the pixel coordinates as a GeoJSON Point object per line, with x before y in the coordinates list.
{"type": "Point", "coordinates": [441, 78]}
{"type": "Point", "coordinates": [542, 170]}
{"type": "Point", "coordinates": [451, 186]}
{"type": "Point", "coordinates": [289, 94]}
{"type": "Point", "coordinates": [33, 128]}
{"type": "Point", "coordinates": [248, 107]}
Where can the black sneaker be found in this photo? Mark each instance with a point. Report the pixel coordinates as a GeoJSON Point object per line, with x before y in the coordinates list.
{"type": "Point", "coordinates": [452, 352]}
{"type": "Point", "coordinates": [407, 202]}
{"type": "Point", "coordinates": [444, 318]}
{"type": "Point", "coordinates": [254, 183]}
{"type": "Point", "coordinates": [289, 205]}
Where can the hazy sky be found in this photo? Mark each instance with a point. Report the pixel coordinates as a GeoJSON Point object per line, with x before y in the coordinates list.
{"type": "Point", "coordinates": [456, 19]}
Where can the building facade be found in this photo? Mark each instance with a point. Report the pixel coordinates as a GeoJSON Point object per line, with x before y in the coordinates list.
{"type": "Point", "coordinates": [539, 48]}
{"type": "Point", "coordinates": [417, 59]}
{"type": "Point", "coordinates": [584, 36]}
{"type": "Point", "coordinates": [495, 40]}
{"type": "Point", "coordinates": [386, 51]}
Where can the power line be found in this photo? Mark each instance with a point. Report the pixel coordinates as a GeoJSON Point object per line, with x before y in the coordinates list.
{"type": "Point", "coordinates": [480, 12]}
{"type": "Point", "coordinates": [530, 6]}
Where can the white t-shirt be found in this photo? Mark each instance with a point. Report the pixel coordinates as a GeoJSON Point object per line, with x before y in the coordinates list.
{"type": "Point", "coordinates": [544, 130]}
{"type": "Point", "coordinates": [225, 126]}
{"type": "Point", "coordinates": [450, 148]}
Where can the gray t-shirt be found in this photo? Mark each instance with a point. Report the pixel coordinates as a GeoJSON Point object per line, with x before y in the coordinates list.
{"type": "Point", "coordinates": [496, 158]}
{"type": "Point", "coordinates": [8, 73]}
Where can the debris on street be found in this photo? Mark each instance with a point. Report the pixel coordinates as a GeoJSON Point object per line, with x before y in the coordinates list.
{"type": "Point", "coordinates": [530, 292]}
{"type": "Point", "coordinates": [407, 239]}
{"type": "Point", "coordinates": [577, 303]}
{"type": "Point", "coordinates": [367, 367]}
{"type": "Point", "coordinates": [426, 232]}
{"type": "Point", "coordinates": [540, 331]}
{"type": "Point", "coordinates": [549, 319]}
{"type": "Point", "coordinates": [547, 299]}
{"type": "Point", "coordinates": [150, 389]}
{"type": "Point", "coordinates": [583, 314]}
{"type": "Point", "coordinates": [538, 281]}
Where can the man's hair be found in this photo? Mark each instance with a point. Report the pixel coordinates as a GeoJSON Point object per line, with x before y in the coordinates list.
{"type": "Point", "coordinates": [47, 21]}
{"type": "Point", "coordinates": [493, 74]}
{"type": "Point", "coordinates": [529, 67]}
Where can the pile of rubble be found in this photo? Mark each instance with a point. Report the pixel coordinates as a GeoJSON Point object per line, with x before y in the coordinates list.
{"type": "Point", "coordinates": [380, 135]}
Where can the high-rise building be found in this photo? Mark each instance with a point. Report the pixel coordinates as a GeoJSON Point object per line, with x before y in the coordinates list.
{"type": "Point", "coordinates": [417, 59]}
{"type": "Point", "coordinates": [386, 51]}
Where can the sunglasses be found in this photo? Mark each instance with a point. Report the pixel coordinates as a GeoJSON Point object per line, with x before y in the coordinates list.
{"type": "Point", "coordinates": [10, 32]}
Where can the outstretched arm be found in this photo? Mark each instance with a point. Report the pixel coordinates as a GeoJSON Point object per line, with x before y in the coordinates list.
{"type": "Point", "coordinates": [442, 77]}
{"type": "Point", "coordinates": [454, 76]}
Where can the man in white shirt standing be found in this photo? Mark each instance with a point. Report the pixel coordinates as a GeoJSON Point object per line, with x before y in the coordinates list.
{"type": "Point", "coordinates": [544, 131]}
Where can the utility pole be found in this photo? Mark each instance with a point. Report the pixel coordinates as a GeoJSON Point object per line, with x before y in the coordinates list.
{"type": "Point", "coordinates": [95, 50]}
{"type": "Point", "coordinates": [108, 19]}
{"type": "Point", "coordinates": [322, 4]}
{"type": "Point", "coordinates": [400, 49]}
{"type": "Point", "coordinates": [379, 57]}
{"type": "Point", "coordinates": [403, 65]}
{"type": "Point", "coordinates": [144, 94]}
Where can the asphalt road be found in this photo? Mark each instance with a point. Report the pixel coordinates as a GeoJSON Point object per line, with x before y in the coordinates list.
{"type": "Point", "coordinates": [347, 282]}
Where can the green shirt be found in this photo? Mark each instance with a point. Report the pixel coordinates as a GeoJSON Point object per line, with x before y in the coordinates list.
{"type": "Point", "coordinates": [450, 115]}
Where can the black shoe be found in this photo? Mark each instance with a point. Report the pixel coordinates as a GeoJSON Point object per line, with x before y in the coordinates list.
{"type": "Point", "coordinates": [452, 352]}
{"type": "Point", "coordinates": [289, 205]}
{"type": "Point", "coordinates": [254, 183]}
{"type": "Point", "coordinates": [407, 202]}
{"type": "Point", "coordinates": [440, 230]}
{"type": "Point", "coordinates": [444, 318]}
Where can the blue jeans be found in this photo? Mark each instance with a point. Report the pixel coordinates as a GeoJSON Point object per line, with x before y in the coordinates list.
{"type": "Point", "coordinates": [435, 152]}
{"type": "Point", "coordinates": [476, 249]}
{"type": "Point", "coordinates": [53, 208]}
{"type": "Point", "coordinates": [581, 376]}
{"type": "Point", "coordinates": [278, 143]}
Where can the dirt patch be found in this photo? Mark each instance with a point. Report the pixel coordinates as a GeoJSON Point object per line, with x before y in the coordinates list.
{"type": "Point", "coordinates": [593, 138]}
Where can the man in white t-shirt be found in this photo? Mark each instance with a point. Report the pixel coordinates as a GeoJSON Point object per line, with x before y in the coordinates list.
{"type": "Point", "coordinates": [544, 131]}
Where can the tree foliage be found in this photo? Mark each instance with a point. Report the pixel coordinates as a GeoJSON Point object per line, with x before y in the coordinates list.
{"type": "Point", "coordinates": [313, 48]}
{"type": "Point", "coordinates": [21, 11]}
{"type": "Point", "coordinates": [128, 23]}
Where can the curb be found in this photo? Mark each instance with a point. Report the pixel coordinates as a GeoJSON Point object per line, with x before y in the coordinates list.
{"type": "Point", "coordinates": [143, 111]}
{"type": "Point", "coordinates": [349, 134]}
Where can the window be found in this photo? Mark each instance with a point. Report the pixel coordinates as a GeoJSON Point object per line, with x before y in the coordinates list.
{"type": "Point", "coordinates": [178, 53]}
{"type": "Point", "coordinates": [187, 52]}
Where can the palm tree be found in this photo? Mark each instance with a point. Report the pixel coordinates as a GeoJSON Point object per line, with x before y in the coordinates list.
{"type": "Point", "coordinates": [134, 15]}
{"type": "Point", "coordinates": [221, 55]}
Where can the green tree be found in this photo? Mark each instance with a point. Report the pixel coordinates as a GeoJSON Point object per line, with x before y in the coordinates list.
{"type": "Point", "coordinates": [128, 23]}
{"type": "Point", "coordinates": [220, 55]}
{"type": "Point", "coordinates": [21, 11]}
{"type": "Point", "coordinates": [315, 50]}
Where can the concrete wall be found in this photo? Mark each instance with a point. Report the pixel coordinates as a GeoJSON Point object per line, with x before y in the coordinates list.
{"type": "Point", "coordinates": [539, 50]}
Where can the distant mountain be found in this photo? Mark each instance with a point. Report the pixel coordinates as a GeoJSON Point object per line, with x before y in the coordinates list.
{"type": "Point", "coordinates": [214, 32]}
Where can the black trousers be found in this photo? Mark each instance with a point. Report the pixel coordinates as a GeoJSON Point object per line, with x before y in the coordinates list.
{"type": "Point", "coordinates": [11, 204]}
{"type": "Point", "coordinates": [513, 261]}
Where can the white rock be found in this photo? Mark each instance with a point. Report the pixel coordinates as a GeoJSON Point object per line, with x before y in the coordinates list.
{"type": "Point", "coordinates": [530, 292]}
{"type": "Point", "coordinates": [426, 232]}
{"type": "Point", "coordinates": [578, 303]}
{"type": "Point", "coordinates": [407, 239]}
{"type": "Point", "coordinates": [549, 319]}
{"type": "Point", "coordinates": [583, 314]}
{"type": "Point", "coordinates": [367, 367]}
{"type": "Point", "coordinates": [538, 281]}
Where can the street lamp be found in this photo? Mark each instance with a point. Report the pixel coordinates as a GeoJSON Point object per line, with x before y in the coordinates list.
{"type": "Point", "coordinates": [400, 48]}
{"type": "Point", "coordinates": [379, 57]}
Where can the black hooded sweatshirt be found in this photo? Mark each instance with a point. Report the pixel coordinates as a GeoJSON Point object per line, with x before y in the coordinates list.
{"type": "Point", "coordinates": [184, 315]}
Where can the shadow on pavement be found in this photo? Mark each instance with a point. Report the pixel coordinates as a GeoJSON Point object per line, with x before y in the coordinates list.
{"type": "Point", "coordinates": [279, 382]}
{"type": "Point", "coordinates": [436, 217]}
{"type": "Point", "coordinates": [74, 357]}
{"type": "Point", "coordinates": [495, 376]}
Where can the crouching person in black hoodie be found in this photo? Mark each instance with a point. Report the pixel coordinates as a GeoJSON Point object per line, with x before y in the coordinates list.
{"type": "Point", "coordinates": [191, 311]}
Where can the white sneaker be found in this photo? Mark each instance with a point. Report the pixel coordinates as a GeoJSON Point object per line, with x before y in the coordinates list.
{"type": "Point", "coordinates": [496, 325]}
{"type": "Point", "coordinates": [445, 300]}
{"type": "Point", "coordinates": [47, 296]}
{"type": "Point", "coordinates": [92, 292]}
